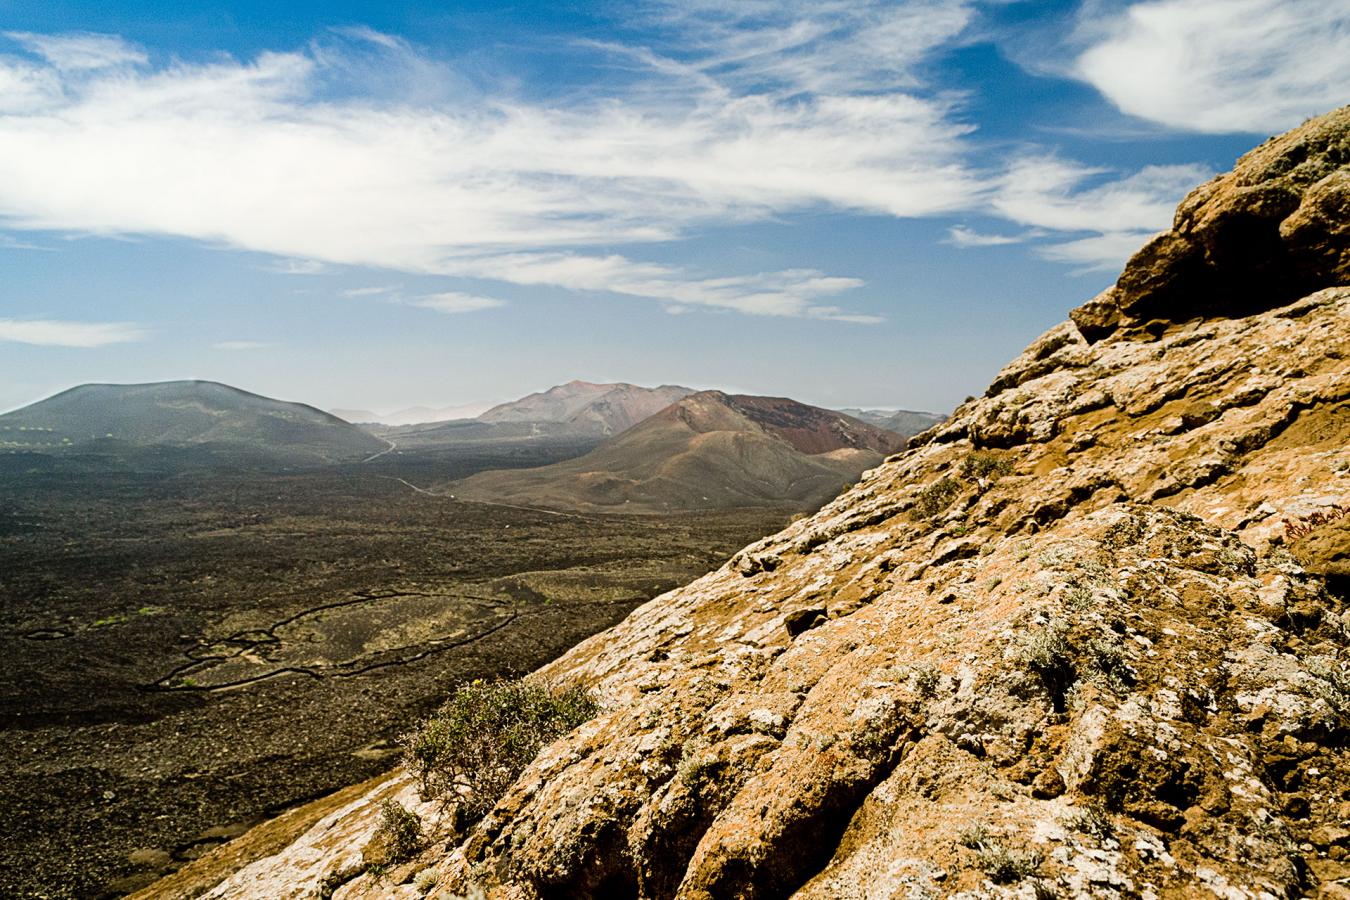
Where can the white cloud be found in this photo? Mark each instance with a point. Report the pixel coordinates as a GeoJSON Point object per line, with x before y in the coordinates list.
{"type": "Point", "coordinates": [733, 114]}
{"type": "Point", "coordinates": [1223, 65]}
{"type": "Point", "coordinates": [10, 243]}
{"type": "Point", "coordinates": [25, 87]}
{"type": "Point", "coordinates": [259, 155]}
{"type": "Point", "coordinates": [812, 46]}
{"type": "Point", "coordinates": [80, 52]}
{"type": "Point", "coordinates": [451, 302]}
{"type": "Point", "coordinates": [792, 292]}
{"type": "Point", "coordinates": [298, 267]}
{"type": "Point", "coordinates": [1047, 192]}
{"type": "Point", "coordinates": [239, 346]}
{"type": "Point", "coordinates": [53, 333]}
{"type": "Point", "coordinates": [1105, 252]}
{"type": "Point", "coordinates": [1116, 216]}
{"type": "Point", "coordinates": [963, 237]}
{"type": "Point", "coordinates": [376, 291]}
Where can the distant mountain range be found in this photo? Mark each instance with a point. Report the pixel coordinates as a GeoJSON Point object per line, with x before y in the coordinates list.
{"type": "Point", "coordinates": [709, 450]}
{"type": "Point", "coordinates": [413, 415]}
{"type": "Point", "coordinates": [202, 415]}
{"type": "Point", "coordinates": [579, 412]}
{"type": "Point", "coordinates": [623, 447]}
{"type": "Point", "coordinates": [597, 408]}
{"type": "Point", "coordinates": [904, 422]}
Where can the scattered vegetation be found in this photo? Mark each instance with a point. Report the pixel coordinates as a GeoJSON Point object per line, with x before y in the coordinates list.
{"type": "Point", "coordinates": [974, 837]}
{"type": "Point", "coordinates": [1043, 890]}
{"type": "Point", "coordinates": [1078, 598]}
{"type": "Point", "coordinates": [1333, 682]}
{"type": "Point", "coordinates": [479, 742]}
{"type": "Point", "coordinates": [697, 763]}
{"type": "Point", "coordinates": [981, 466]}
{"type": "Point", "coordinates": [978, 469]}
{"type": "Point", "coordinates": [426, 880]}
{"type": "Point", "coordinates": [937, 497]}
{"type": "Point", "coordinates": [1003, 866]}
{"type": "Point", "coordinates": [1305, 525]}
{"type": "Point", "coordinates": [401, 830]}
{"type": "Point", "coordinates": [1092, 819]}
{"type": "Point", "coordinates": [1108, 660]}
{"type": "Point", "coordinates": [1046, 652]}
{"type": "Point", "coordinates": [926, 681]}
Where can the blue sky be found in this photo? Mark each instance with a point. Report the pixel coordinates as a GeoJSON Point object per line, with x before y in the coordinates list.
{"type": "Point", "coordinates": [366, 205]}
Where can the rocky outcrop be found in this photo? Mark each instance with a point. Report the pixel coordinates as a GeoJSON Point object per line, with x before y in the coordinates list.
{"type": "Point", "coordinates": [1085, 638]}
{"type": "Point", "coordinates": [1272, 230]}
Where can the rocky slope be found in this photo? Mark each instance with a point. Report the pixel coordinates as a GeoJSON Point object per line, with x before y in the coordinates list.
{"type": "Point", "coordinates": [709, 450]}
{"type": "Point", "coordinates": [1086, 638]}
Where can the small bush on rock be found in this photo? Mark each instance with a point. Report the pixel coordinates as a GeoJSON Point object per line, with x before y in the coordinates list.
{"type": "Point", "coordinates": [937, 497]}
{"type": "Point", "coordinates": [981, 466]}
{"type": "Point", "coordinates": [1092, 819]}
{"type": "Point", "coordinates": [1002, 865]}
{"type": "Point", "coordinates": [400, 831]}
{"type": "Point", "coordinates": [1046, 652]}
{"type": "Point", "coordinates": [479, 742]}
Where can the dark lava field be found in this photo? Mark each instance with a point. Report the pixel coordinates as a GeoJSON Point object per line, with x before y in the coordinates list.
{"type": "Point", "coordinates": [189, 650]}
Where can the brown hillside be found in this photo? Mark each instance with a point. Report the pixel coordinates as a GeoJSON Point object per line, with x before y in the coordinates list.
{"type": "Point", "coordinates": [707, 451]}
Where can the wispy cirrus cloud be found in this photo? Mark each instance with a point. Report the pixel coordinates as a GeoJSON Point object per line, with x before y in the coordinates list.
{"type": "Point", "coordinates": [258, 155]}
{"type": "Point", "coordinates": [453, 302]}
{"type": "Point", "coordinates": [80, 51]}
{"type": "Point", "coordinates": [372, 291]}
{"type": "Point", "coordinates": [56, 333]}
{"type": "Point", "coordinates": [726, 114]}
{"type": "Point", "coordinates": [964, 237]}
{"type": "Point", "coordinates": [1105, 218]}
{"type": "Point", "coordinates": [807, 46]}
{"type": "Point", "coordinates": [1221, 65]}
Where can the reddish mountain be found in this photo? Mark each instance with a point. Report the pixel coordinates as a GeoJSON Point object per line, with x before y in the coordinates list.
{"type": "Point", "coordinates": [707, 451]}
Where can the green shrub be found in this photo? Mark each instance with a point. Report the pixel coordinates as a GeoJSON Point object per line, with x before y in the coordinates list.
{"type": "Point", "coordinates": [937, 497]}
{"type": "Point", "coordinates": [479, 742]}
{"type": "Point", "coordinates": [1047, 653]}
{"type": "Point", "coordinates": [1002, 865]}
{"type": "Point", "coordinates": [400, 830]}
{"type": "Point", "coordinates": [1092, 819]}
{"type": "Point", "coordinates": [981, 466]}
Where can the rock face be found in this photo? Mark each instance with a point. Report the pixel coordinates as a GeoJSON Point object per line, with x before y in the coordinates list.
{"type": "Point", "coordinates": [1272, 230]}
{"type": "Point", "coordinates": [1088, 637]}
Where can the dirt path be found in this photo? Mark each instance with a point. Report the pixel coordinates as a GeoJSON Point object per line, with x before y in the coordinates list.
{"type": "Point", "coordinates": [535, 509]}
{"type": "Point", "coordinates": [375, 456]}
